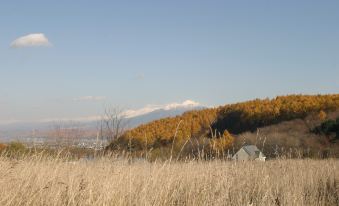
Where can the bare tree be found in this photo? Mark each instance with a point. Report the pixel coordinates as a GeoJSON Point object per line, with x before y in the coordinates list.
{"type": "Point", "coordinates": [112, 124]}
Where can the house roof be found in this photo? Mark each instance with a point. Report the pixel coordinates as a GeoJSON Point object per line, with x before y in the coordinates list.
{"type": "Point", "coordinates": [251, 149]}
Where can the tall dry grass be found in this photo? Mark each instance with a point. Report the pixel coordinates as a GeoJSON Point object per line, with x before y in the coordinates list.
{"type": "Point", "coordinates": [39, 180]}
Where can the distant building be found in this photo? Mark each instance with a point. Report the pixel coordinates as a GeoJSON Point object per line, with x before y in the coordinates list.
{"type": "Point", "coordinates": [249, 152]}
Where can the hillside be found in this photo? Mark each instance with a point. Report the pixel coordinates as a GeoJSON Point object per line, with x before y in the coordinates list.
{"type": "Point", "coordinates": [215, 124]}
{"type": "Point", "coordinates": [294, 138]}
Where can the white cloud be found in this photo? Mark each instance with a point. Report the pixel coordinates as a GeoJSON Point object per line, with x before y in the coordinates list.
{"type": "Point", "coordinates": [90, 98]}
{"type": "Point", "coordinates": [48, 120]}
{"type": "Point", "coordinates": [31, 40]}
{"type": "Point", "coordinates": [9, 121]}
{"type": "Point", "coordinates": [151, 108]}
{"type": "Point", "coordinates": [75, 119]}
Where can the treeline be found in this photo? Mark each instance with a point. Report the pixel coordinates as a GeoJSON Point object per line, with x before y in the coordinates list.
{"type": "Point", "coordinates": [250, 115]}
{"type": "Point", "coordinates": [234, 118]}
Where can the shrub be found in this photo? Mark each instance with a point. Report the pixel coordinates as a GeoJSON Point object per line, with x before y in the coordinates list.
{"type": "Point", "coordinates": [16, 147]}
{"type": "Point", "coordinates": [328, 128]}
{"type": "Point", "coordinates": [322, 115]}
{"type": "Point", "coordinates": [2, 147]}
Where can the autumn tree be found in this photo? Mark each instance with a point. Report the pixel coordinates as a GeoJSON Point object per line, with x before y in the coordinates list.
{"type": "Point", "coordinates": [322, 115]}
{"type": "Point", "coordinates": [223, 142]}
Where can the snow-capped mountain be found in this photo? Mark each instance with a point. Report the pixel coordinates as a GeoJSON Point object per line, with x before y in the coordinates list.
{"type": "Point", "coordinates": [133, 117]}
{"type": "Point", "coordinates": [186, 105]}
{"type": "Point", "coordinates": [154, 112]}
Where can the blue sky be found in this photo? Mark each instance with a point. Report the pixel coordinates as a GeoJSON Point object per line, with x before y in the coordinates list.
{"type": "Point", "coordinates": [134, 53]}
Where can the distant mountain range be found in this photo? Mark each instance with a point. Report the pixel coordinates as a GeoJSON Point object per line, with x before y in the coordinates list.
{"type": "Point", "coordinates": [134, 118]}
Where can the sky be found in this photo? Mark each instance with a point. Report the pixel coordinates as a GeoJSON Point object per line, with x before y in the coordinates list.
{"type": "Point", "coordinates": [71, 59]}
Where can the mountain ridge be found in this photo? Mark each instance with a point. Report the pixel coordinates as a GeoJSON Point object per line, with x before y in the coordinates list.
{"type": "Point", "coordinates": [133, 118]}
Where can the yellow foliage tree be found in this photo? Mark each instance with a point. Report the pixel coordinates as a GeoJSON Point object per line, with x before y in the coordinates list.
{"type": "Point", "coordinates": [322, 115]}
{"type": "Point", "coordinates": [222, 143]}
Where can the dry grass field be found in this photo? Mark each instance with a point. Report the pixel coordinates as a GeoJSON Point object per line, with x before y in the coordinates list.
{"type": "Point", "coordinates": [38, 180]}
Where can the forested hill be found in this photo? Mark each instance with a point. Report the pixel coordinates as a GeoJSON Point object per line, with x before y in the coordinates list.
{"type": "Point", "coordinates": [234, 118]}
{"type": "Point", "coordinates": [241, 117]}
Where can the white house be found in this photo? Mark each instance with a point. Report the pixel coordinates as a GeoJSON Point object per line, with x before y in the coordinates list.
{"type": "Point", "coordinates": [249, 152]}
